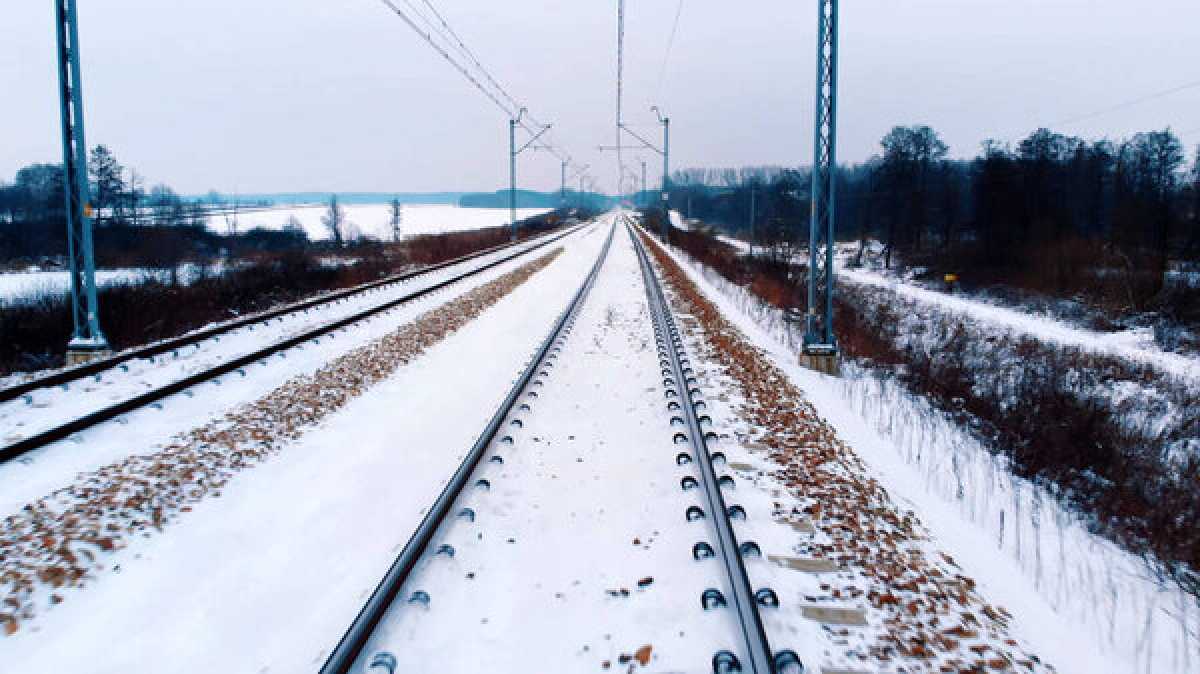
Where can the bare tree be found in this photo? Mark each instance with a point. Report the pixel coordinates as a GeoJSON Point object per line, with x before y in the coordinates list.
{"type": "Point", "coordinates": [1193, 245]}
{"type": "Point", "coordinates": [136, 194]}
{"type": "Point", "coordinates": [293, 225]}
{"type": "Point", "coordinates": [909, 156]}
{"type": "Point", "coordinates": [108, 183]}
{"type": "Point", "coordinates": [335, 221]}
{"type": "Point", "coordinates": [231, 218]}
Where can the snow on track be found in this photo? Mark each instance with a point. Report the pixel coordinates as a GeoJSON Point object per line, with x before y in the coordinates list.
{"type": "Point", "coordinates": [46, 408]}
{"type": "Point", "coordinates": [1105, 613]}
{"type": "Point", "coordinates": [40, 471]}
{"type": "Point", "coordinates": [267, 576]}
{"type": "Point", "coordinates": [55, 540]}
{"type": "Point", "coordinates": [860, 582]}
{"type": "Point", "coordinates": [579, 558]}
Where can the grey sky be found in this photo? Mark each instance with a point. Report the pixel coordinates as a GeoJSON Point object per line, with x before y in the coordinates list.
{"type": "Point", "coordinates": [275, 95]}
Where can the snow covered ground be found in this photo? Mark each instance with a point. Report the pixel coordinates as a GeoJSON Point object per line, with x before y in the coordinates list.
{"type": "Point", "coordinates": [1135, 345]}
{"type": "Point", "coordinates": [588, 499]}
{"type": "Point", "coordinates": [267, 576]}
{"type": "Point", "coordinates": [362, 219]}
{"type": "Point", "coordinates": [580, 554]}
{"type": "Point", "coordinates": [18, 287]}
{"type": "Point", "coordinates": [47, 408]}
{"type": "Point", "coordinates": [374, 220]}
{"type": "Point", "coordinates": [1082, 604]}
{"type": "Point", "coordinates": [677, 220]}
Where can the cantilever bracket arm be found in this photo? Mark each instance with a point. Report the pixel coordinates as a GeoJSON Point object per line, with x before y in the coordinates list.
{"type": "Point", "coordinates": [643, 141]}
{"type": "Point", "coordinates": [610, 148]}
{"type": "Point", "coordinates": [535, 137]}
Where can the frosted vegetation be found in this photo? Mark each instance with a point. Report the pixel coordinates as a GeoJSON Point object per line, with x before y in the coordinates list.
{"type": "Point", "coordinates": [1143, 609]}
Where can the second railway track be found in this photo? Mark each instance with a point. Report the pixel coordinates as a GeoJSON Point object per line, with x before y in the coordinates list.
{"type": "Point", "coordinates": [71, 374]}
{"type": "Point", "coordinates": [82, 422]}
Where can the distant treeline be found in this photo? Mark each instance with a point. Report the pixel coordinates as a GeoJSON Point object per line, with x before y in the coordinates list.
{"type": "Point", "coordinates": [140, 226]}
{"type": "Point", "coordinates": [531, 199]}
{"type": "Point", "coordinates": [34, 332]}
{"type": "Point", "coordinates": [134, 225]}
{"type": "Point", "coordinates": [1053, 213]}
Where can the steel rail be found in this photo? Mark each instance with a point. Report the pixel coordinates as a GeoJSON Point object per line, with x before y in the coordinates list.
{"type": "Point", "coordinates": [744, 602]}
{"type": "Point", "coordinates": [71, 374]}
{"type": "Point", "coordinates": [354, 641]}
{"type": "Point", "coordinates": [16, 449]}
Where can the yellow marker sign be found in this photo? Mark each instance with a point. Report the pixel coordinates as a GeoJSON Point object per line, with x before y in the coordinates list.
{"type": "Point", "coordinates": [950, 278]}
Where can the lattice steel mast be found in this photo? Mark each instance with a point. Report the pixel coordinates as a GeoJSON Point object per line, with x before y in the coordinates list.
{"type": "Point", "coordinates": [819, 339]}
{"type": "Point", "coordinates": [87, 341]}
{"type": "Point", "coordinates": [513, 153]}
{"type": "Point", "coordinates": [620, 92]}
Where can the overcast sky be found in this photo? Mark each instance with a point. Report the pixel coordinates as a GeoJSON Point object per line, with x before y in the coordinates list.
{"type": "Point", "coordinates": [340, 95]}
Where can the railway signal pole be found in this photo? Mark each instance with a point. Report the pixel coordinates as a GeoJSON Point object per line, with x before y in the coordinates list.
{"type": "Point", "coordinates": [820, 344]}
{"type": "Point", "coordinates": [512, 166]}
{"type": "Point", "coordinates": [642, 196]}
{"type": "Point", "coordinates": [753, 238]}
{"type": "Point", "coordinates": [562, 192]}
{"type": "Point", "coordinates": [665, 194]}
{"type": "Point", "coordinates": [87, 340]}
{"type": "Point", "coordinates": [665, 151]}
{"type": "Point", "coordinates": [581, 174]}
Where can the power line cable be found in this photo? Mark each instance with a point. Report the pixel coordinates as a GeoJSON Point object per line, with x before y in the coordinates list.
{"type": "Point", "coordinates": [466, 51]}
{"type": "Point", "coordinates": [662, 72]}
{"type": "Point", "coordinates": [1129, 103]}
{"type": "Point", "coordinates": [620, 88]}
{"type": "Point", "coordinates": [446, 55]}
{"type": "Point", "coordinates": [463, 70]}
{"type": "Point", "coordinates": [451, 36]}
{"type": "Point", "coordinates": [453, 42]}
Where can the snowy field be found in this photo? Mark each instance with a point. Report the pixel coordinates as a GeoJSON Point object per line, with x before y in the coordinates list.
{"type": "Point", "coordinates": [49, 407]}
{"type": "Point", "coordinates": [374, 220]}
{"type": "Point", "coordinates": [362, 220]}
{"type": "Point", "coordinates": [1136, 345]}
{"type": "Point", "coordinates": [17, 287]}
{"type": "Point", "coordinates": [27, 286]}
{"type": "Point", "coordinates": [316, 525]}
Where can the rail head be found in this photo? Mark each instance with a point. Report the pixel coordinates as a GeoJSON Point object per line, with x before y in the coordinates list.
{"type": "Point", "coordinates": [745, 604]}
{"type": "Point", "coordinates": [350, 648]}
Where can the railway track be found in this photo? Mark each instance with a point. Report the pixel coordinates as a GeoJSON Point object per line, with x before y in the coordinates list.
{"type": "Point", "coordinates": [350, 648]}
{"type": "Point", "coordinates": [678, 377]}
{"type": "Point", "coordinates": [685, 405]}
{"type": "Point", "coordinates": [88, 420]}
{"type": "Point", "coordinates": [91, 369]}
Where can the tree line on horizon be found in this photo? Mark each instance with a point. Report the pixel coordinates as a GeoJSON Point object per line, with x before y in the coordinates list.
{"type": "Point", "coordinates": [134, 225]}
{"type": "Point", "coordinates": [1052, 213]}
{"type": "Point", "coordinates": [155, 226]}
{"type": "Point", "coordinates": [149, 227]}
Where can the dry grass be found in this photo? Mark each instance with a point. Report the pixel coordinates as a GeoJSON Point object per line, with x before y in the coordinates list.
{"type": "Point", "coordinates": [926, 614]}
